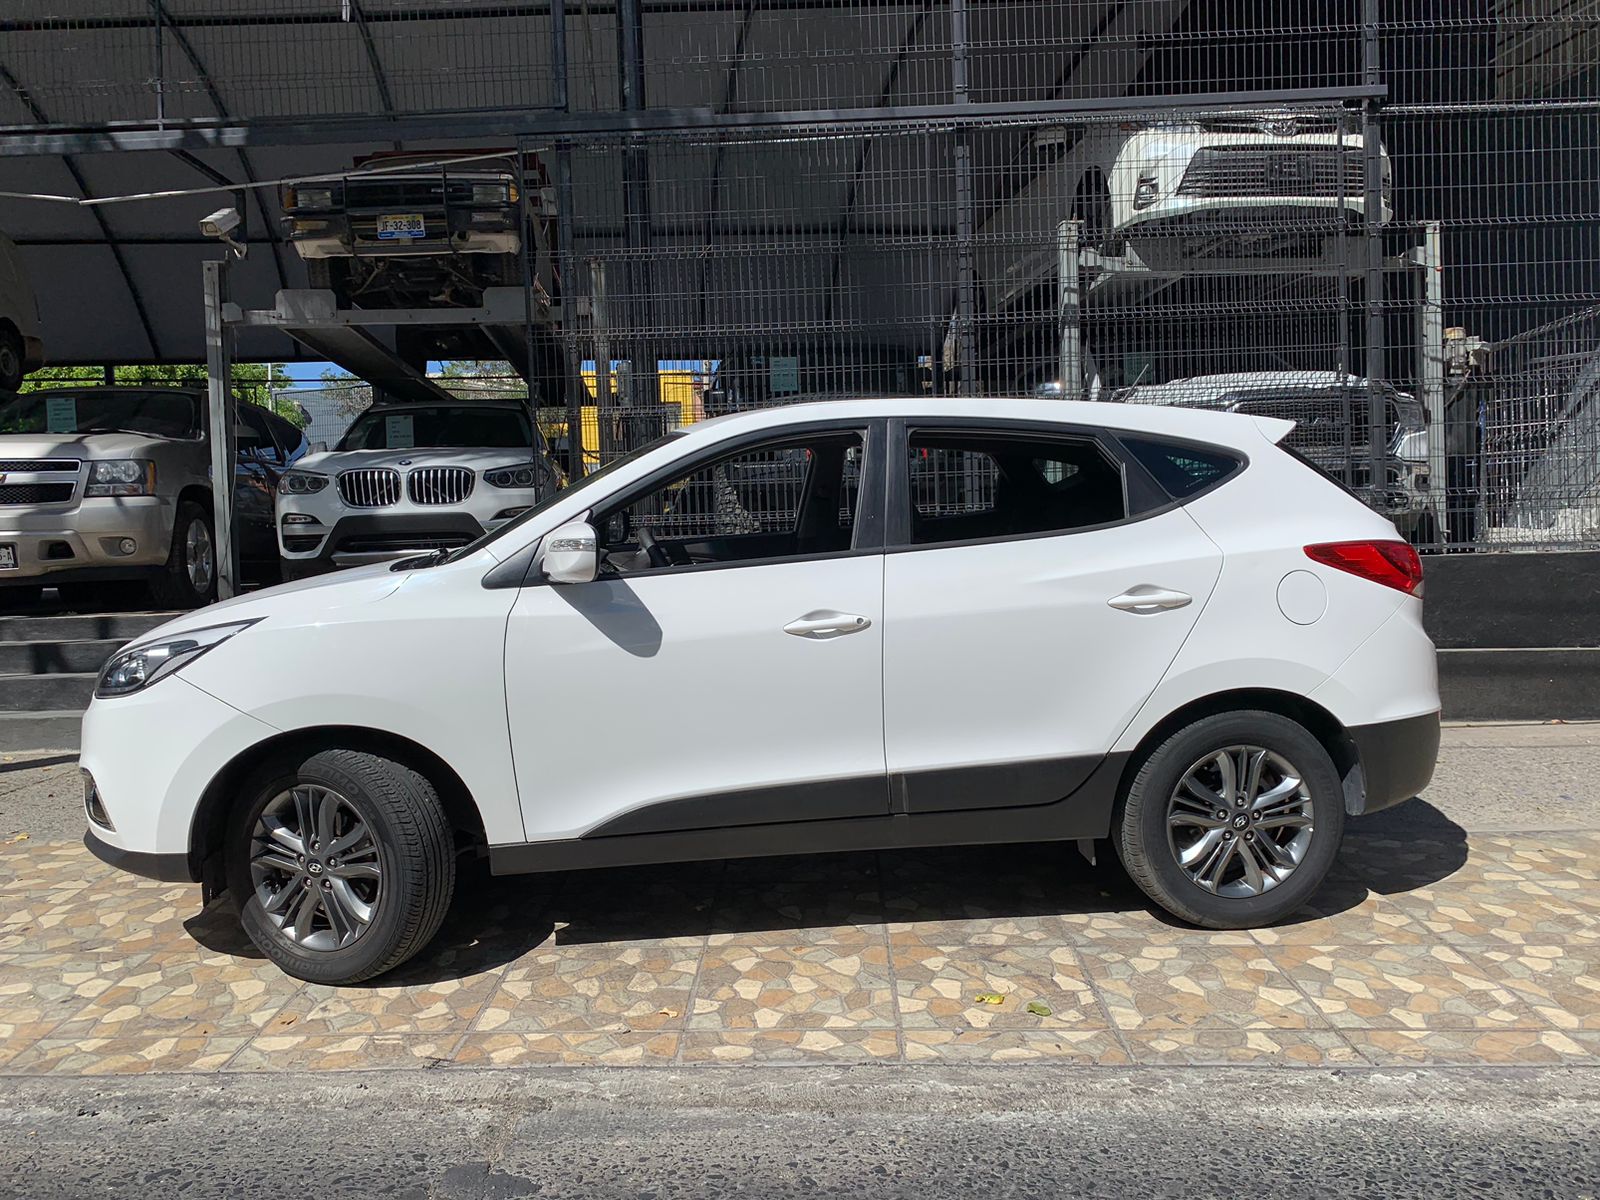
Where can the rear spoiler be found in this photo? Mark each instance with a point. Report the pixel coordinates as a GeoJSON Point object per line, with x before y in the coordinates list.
{"type": "Point", "coordinates": [1274, 429]}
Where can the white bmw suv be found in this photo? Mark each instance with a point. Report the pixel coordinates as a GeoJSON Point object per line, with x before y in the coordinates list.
{"type": "Point", "coordinates": [408, 478]}
{"type": "Point", "coordinates": [906, 623]}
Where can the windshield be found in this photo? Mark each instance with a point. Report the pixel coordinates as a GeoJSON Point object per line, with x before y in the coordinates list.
{"type": "Point", "coordinates": [588, 480]}
{"type": "Point", "coordinates": [445, 427]}
{"type": "Point", "coordinates": [103, 410]}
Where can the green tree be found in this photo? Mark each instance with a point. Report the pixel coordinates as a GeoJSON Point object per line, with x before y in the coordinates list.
{"type": "Point", "coordinates": [253, 382]}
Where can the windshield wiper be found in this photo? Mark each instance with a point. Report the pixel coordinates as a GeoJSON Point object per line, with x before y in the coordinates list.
{"type": "Point", "coordinates": [421, 562]}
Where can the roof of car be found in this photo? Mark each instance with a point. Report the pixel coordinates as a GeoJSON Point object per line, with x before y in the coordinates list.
{"type": "Point", "coordinates": [1200, 424]}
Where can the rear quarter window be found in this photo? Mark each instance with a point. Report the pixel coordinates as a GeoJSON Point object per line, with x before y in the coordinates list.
{"type": "Point", "coordinates": [1182, 469]}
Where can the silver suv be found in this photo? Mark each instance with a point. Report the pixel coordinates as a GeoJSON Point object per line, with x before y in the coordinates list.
{"type": "Point", "coordinates": [103, 485]}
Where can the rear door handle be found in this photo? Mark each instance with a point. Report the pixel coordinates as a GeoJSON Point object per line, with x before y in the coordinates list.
{"type": "Point", "coordinates": [1147, 598]}
{"type": "Point", "coordinates": [824, 623]}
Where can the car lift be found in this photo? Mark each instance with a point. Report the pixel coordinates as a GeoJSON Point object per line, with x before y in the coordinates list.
{"type": "Point", "coordinates": [346, 338]}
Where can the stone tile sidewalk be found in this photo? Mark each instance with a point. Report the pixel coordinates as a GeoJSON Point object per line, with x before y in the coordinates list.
{"type": "Point", "coordinates": [1427, 946]}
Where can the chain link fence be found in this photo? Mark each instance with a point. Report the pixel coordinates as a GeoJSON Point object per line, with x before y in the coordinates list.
{"type": "Point", "coordinates": [1377, 218]}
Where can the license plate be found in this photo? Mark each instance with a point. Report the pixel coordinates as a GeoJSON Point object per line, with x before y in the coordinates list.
{"type": "Point", "coordinates": [8, 558]}
{"type": "Point", "coordinates": [401, 225]}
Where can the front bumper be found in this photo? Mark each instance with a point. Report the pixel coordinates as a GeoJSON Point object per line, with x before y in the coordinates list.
{"type": "Point", "coordinates": [169, 868]}
{"type": "Point", "coordinates": [148, 781]}
{"type": "Point", "coordinates": [1397, 758]}
{"type": "Point", "coordinates": [359, 540]}
{"type": "Point", "coordinates": [83, 541]}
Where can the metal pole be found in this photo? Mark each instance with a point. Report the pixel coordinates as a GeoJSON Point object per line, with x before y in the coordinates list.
{"type": "Point", "coordinates": [1069, 235]}
{"type": "Point", "coordinates": [1372, 149]}
{"type": "Point", "coordinates": [219, 371]}
{"type": "Point", "coordinates": [1431, 372]}
{"type": "Point", "coordinates": [966, 261]}
{"type": "Point", "coordinates": [602, 357]}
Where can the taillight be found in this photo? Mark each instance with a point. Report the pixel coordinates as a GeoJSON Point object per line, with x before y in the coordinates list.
{"type": "Point", "coordinates": [1393, 564]}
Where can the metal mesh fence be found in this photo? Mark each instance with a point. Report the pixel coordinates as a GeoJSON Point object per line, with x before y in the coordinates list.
{"type": "Point", "coordinates": [1378, 218]}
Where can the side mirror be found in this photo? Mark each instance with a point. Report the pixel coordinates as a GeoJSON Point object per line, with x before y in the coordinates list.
{"type": "Point", "coordinates": [571, 554]}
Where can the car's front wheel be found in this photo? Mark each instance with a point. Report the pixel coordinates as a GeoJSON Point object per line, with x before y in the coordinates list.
{"type": "Point", "coordinates": [1233, 821]}
{"type": "Point", "coordinates": [189, 579]}
{"type": "Point", "coordinates": [341, 863]}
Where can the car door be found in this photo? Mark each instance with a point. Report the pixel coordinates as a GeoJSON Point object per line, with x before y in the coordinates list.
{"type": "Point", "coordinates": [1027, 616]}
{"type": "Point", "coordinates": [726, 669]}
{"type": "Point", "coordinates": [259, 462]}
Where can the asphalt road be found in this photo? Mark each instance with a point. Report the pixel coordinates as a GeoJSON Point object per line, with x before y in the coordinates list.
{"type": "Point", "coordinates": [916, 1132]}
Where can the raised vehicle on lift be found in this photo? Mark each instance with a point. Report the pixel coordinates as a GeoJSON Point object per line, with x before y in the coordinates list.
{"type": "Point", "coordinates": [409, 478]}
{"type": "Point", "coordinates": [1332, 415]}
{"type": "Point", "coordinates": [108, 485]}
{"type": "Point", "coordinates": [407, 231]}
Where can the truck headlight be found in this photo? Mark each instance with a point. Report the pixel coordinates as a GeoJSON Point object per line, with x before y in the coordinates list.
{"type": "Point", "coordinates": [494, 193]}
{"type": "Point", "coordinates": [301, 483]}
{"type": "Point", "coordinates": [121, 477]}
{"type": "Point", "coordinates": [1412, 446]}
{"type": "Point", "coordinates": [523, 475]}
{"type": "Point", "coordinates": [308, 197]}
{"type": "Point", "coordinates": [137, 667]}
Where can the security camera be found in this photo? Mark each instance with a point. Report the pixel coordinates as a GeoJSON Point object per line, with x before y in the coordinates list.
{"type": "Point", "coordinates": [220, 224]}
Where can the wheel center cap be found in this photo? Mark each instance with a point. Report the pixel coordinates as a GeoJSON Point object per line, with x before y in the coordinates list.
{"type": "Point", "coordinates": [1239, 822]}
{"type": "Point", "coordinates": [314, 867]}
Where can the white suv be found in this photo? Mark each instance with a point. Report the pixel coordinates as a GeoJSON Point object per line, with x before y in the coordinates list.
{"type": "Point", "coordinates": [407, 478]}
{"type": "Point", "coordinates": [902, 622]}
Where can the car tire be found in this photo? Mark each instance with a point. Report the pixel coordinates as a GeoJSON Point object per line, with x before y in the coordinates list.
{"type": "Point", "coordinates": [11, 359]}
{"type": "Point", "coordinates": [1196, 862]}
{"type": "Point", "coordinates": [189, 580]}
{"type": "Point", "coordinates": [402, 872]}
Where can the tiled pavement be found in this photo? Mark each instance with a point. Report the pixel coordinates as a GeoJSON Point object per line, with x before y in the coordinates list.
{"type": "Point", "coordinates": [1428, 946]}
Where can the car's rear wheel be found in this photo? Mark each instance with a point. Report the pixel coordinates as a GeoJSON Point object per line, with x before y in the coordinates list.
{"type": "Point", "coordinates": [1233, 821]}
{"type": "Point", "coordinates": [11, 356]}
{"type": "Point", "coordinates": [342, 865]}
{"type": "Point", "coordinates": [190, 576]}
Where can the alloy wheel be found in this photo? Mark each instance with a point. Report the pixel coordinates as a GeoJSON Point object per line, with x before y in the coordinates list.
{"type": "Point", "coordinates": [315, 868]}
{"type": "Point", "coordinates": [1240, 821]}
{"type": "Point", "coordinates": [199, 557]}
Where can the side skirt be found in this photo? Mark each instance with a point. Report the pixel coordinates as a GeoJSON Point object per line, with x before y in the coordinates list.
{"type": "Point", "coordinates": [1084, 813]}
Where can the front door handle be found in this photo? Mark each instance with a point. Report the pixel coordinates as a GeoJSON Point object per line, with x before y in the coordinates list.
{"type": "Point", "coordinates": [1147, 598]}
{"type": "Point", "coordinates": [823, 623]}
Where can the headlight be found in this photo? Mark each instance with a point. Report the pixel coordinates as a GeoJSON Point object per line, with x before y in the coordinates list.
{"type": "Point", "coordinates": [493, 193]}
{"type": "Point", "coordinates": [523, 475]}
{"type": "Point", "coordinates": [308, 197]}
{"type": "Point", "coordinates": [1147, 192]}
{"type": "Point", "coordinates": [1412, 446]}
{"type": "Point", "coordinates": [136, 668]}
{"type": "Point", "coordinates": [300, 483]}
{"type": "Point", "coordinates": [121, 477]}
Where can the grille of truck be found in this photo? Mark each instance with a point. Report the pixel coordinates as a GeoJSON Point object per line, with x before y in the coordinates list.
{"type": "Point", "coordinates": [38, 465]}
{"type": "Point", "coordinates": [439, 485]}
{"type": "Point", "coordinates": [1321, 425]}
{"type": "Point", "coordinates": [1227, 171]}
{"type": "Point", "coordinates": [370, 487]}
{"type": "Point", "coordinates": [36, 493]}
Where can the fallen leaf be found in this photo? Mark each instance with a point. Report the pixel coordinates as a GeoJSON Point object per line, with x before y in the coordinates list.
{"type": "Point", "coordinates": [666, 1012]}
{"type": "Point", "coordinates": [11, 841]}
{"type": "Point", "coordinates": [989, 998]}
{"type": "Point", "coordinates": [1039, 1010]}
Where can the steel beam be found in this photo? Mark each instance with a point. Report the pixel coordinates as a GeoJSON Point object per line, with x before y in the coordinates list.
{"type": "Point", "coordinates": [219, 374]}
{"type": "Point", "coordinates": [211, 135]}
